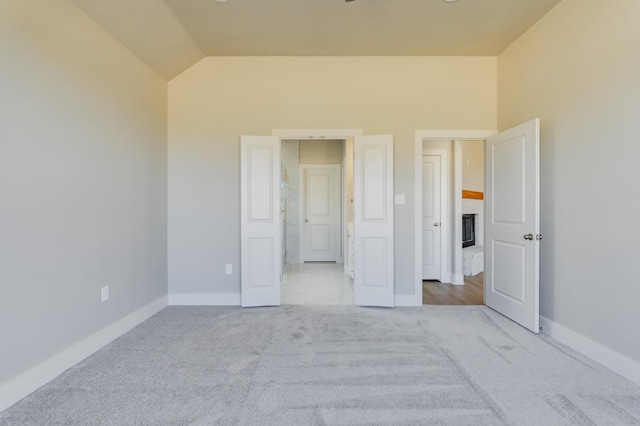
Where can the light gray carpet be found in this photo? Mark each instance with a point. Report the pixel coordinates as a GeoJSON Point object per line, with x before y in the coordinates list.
{"type": "Point", "coordinates": [340, 365]}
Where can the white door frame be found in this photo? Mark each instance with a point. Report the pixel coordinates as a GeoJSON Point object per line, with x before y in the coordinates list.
{"type": "Point", "coordinates": [438, 135]}
{"type": "Point", "coordinates": [444, 211]}
{"type": "Point", "coordinates": [301, 208]}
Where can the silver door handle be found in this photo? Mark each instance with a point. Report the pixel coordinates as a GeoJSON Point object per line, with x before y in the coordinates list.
{"type": "Point", "coordinates": [436, 224]}
{"type": "Point", "coordinates": [528, 237]}
{"type": "Point", "coordinates": [306, 220]}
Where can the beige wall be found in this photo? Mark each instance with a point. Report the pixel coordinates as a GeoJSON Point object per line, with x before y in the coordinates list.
{"type": "Point", "coordinates": [578, 70]}
{"type": "Point", "coordinates": [473, 165]}
{"type": "Point", "coordinates": [321, 151]}
{"type": "Point", "coordinates": [219, 99]}
{"type": "Point", "coordinates": [83, 182]}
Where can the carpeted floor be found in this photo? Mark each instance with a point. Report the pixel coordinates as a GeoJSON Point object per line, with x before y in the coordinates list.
{"type": "Point", "coordinates": [332, 365]}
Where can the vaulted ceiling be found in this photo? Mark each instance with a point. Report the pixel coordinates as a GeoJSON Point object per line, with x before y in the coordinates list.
{"type": "Point", "coordinates": [172, 35]}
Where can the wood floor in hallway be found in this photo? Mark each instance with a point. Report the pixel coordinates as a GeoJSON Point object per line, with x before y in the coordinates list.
{"type": "Point", "coordinates": [437, 293]}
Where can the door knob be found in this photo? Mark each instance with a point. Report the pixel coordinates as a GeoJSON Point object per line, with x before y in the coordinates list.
{"type": "Point", "coordinates": [436, 224]}
{"type": "Point", "coordinates": [528, 237]}
{"type": "Point", "coordinates": [306, 220]}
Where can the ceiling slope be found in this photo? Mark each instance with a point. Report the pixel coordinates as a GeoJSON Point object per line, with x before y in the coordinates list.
{"type": "Point", "coordinates": [171, 35]}
{"type": "Point", "coordinates": [149, 29]}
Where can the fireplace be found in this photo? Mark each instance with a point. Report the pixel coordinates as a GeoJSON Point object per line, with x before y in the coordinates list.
{"type": "Point", "coordinates": [468, 230]}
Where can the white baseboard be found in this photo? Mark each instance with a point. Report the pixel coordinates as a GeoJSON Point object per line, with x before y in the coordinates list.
{"type": "Point", "coordinates": [458, 279]}
{"type": "Point", "coordinates": [29, 381]}
{"type": "Point", "coordinates": [624, 366]}
{"type": "Point", "coordinates": [445, 278]}
{"type": "Point", "coordinates": [404, 300]}
{"type": "Point", "coordinates": [204, 299]}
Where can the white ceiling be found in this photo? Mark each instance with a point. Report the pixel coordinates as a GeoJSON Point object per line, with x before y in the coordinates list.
{"type": "Point", "coordinates": [172, 35]}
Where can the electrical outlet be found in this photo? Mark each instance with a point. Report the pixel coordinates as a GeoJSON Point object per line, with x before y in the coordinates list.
{"type": "Point", "coordinates": [228, 269]}
{"type": "Point", "coordinates": [105, 293]}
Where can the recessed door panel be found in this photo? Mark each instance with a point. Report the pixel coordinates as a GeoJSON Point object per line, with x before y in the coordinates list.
{"type": "Point", "coordinates": [374, 190]}
{"type": "Point", "coordinates": [508, 280]}
{"type": "Point", "coordinates": [319, 237]}
{"type": "Point", "coordinates": [260, 262]}
{"type": "Point", "coordinates": [509, 191]}
{"type": "Point", "coordinates": [374, 253]}
{"type": "Point", "coordinates": [260, 189]}
{"type": "Point", "coordinates": [319, 201]}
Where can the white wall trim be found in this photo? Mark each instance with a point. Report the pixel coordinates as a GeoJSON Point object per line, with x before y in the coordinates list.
{"type": "Point", "coordinates": [458, 279]}
{"type": "Point", "coordinates": [456, 238]}
{"type": "Point", "coordinates": [624, 366]}
{"type": "Point", "coordinates": [420, 136]}
{"type": "Point", "coordinates": [316, 133]}
{"type": "Point", "coordinates": [29, 381]}
{"type": "Point", "coordinates": [204, 299]}
{"type": "Point", "coordinates": [405, 300]}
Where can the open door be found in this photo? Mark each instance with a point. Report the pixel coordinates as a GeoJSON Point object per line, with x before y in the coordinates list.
{"type": "Point", "coordinates": [373, 224]}
{"type": "Point", "coordinates": [512, 231]}
{"type": "Point", "coordinates": [260, 251]}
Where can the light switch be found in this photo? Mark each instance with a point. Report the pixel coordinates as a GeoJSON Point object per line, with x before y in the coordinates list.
{"type": "Point", "coordinates": [399, 198]}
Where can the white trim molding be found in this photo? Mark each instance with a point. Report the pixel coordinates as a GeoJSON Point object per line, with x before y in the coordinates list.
{"type": "Point", "coordinates": [458, 279]}
{"type": "Point", "coordinates": [204, 299]}
{"type": "Point", "coordinates": [29, 381]}
{"type": "Point", "coordinates": [316, 133]}
{"type": "Point", "coordinates": [624, 366]}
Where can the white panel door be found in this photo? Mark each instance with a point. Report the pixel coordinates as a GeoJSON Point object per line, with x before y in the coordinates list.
{"type": "Point", "coordinates": [260, 250]}
{"type": "Point", "coordinates": [512, 238]}
{"type": "Point", "coordinates": [321, 211]}
{"type": "Point", "coordinates": [431, 217]}
{"type": "Point", "coordinates": [373, 224]}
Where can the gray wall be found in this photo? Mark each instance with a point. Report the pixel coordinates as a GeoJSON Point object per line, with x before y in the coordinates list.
{"type": "Point", "coordinates": [578, 70]}
{"type": "Point", "coordinates": [82, 181]}
{"type": "Point", "coordinates": [321, 151]}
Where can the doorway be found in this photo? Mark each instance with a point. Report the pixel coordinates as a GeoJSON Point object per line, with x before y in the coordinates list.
{"type": "Point", "coordinates": [315, 181]}
{"type": "Point", "coordinates": [440, 283]}
{"type": "Point", "coordinates": [447, 164]}
{"type": "Point", "coordinates": [261, 217]}
{"type": "Point", "coordinates": [451, 287]}
{"type": "Point", "coordinates": [512, 217]}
